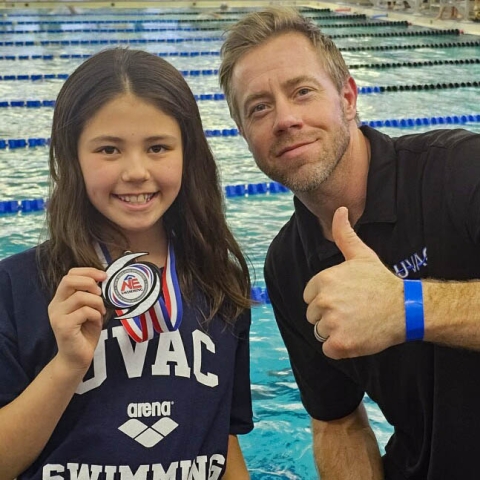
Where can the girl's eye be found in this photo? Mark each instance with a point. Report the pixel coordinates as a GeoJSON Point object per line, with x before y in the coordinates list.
{"type": "Point", "coordinates": [109, 150]}
{"type": "Point", "coordinates": [157, 148]}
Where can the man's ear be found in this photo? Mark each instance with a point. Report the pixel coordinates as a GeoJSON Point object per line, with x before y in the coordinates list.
{"type": "Point", "coordinates": [350, 95]}
{"type": "Point", "coordinates": [240, 130]}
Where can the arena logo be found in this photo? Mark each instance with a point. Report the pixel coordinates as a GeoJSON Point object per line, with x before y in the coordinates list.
{"type": "Point", "coordinates": [145, 435]}
{"type": "Point", "coordinates": [154, 409]}
{"type": "Point", "coordinates": [411, 264]}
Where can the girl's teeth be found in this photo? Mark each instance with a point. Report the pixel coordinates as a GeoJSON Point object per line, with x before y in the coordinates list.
{"type": "Point", "coordinates": [142, 198]}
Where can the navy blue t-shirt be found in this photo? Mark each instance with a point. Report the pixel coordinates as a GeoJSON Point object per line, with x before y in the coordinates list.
{"type": "Point", "coordinates": [161, 409]}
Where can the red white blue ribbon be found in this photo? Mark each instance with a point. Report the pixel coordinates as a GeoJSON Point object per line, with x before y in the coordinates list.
{"type": "Point", "coordinates": [165, 314]}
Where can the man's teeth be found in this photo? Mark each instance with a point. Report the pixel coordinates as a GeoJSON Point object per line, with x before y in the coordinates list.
{"type": "Point", "coordinates": [142, 198]}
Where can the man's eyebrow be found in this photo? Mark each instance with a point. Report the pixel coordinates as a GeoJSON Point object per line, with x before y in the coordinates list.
{"type": "Point", "coordinates": [301, 79]}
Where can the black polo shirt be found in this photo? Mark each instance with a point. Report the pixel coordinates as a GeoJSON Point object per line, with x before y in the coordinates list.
{"type": "Point", "coordinates": [422, 217]}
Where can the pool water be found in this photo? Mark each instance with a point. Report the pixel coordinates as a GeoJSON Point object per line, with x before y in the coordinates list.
{"type": "Point", "coordinates": [280, 445]}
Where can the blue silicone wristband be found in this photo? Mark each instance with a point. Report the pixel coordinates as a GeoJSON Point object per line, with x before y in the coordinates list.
{"type": "Point", "coordinates": [414, 320]}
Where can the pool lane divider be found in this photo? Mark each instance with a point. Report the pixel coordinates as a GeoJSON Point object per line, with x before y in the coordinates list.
{"type": "Point", "coordinates": [365, 90]}
{"type": "Point", "coordinates": [17, 143]}
{"type": "Point", "coordinates": [432, 46]}
{"type": "Point", "coordinates": [141, 41]}
{"type": "Point", "coordinates": [139, 25]}
{"type": "Point", "coordinates": [359, 16]}
{"type": "Point", "coordinates": [375, 66]}
{"type": "Point", "coordinates": [219, 96]}
{"type": "Point", "coordinates": [143, 29]}
{"type": "Point", "coordinates": [416, 33]}
{"type": "Point", "coordinates": [31, 205]}
{"type": "Point", "coordinates": [160, 12]}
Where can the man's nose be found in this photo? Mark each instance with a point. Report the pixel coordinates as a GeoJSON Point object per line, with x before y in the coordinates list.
{"type": "Point", "coordinates": [287, 116]}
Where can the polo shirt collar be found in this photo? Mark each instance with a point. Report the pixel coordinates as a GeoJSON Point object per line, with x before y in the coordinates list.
{"type": "Point", "coordinates": [380, 205]}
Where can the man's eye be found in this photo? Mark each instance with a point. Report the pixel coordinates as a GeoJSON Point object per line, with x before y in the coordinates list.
{"type": "Point", "coordinates": [257, 108]}
{"type": "Point", "coordinates": [304, 91]}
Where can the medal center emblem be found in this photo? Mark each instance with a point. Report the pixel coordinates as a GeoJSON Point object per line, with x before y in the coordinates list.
{"type": "Point", "coordinates": [131, 285]}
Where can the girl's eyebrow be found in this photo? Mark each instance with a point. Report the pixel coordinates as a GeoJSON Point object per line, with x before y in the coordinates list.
{"type": "Point", "coordinates": [105, 138]}
{"type": "Point", "coordinates": [112, 138]}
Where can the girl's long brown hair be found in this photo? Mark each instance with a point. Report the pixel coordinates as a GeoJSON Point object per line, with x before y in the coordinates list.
{"type": "Point", "coordinates": [207, 254]}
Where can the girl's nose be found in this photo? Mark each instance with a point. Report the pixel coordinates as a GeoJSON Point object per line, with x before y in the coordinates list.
{"type": "Point", "coordinates": [135, 169]}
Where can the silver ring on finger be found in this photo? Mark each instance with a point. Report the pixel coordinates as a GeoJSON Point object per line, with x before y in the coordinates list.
{"type": "Point", "coordinates": [317, 335]}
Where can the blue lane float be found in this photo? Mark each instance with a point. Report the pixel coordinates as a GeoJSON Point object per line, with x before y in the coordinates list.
{"type": "Point", "coordinates": [243, 190]}
{"type": "Point", "coordinates": [27, 206]}
{"type": "Point", "coordinates": [259, 295]}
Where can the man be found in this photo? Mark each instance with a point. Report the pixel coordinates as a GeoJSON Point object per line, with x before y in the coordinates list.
{"type": "Point", "coordinates": [414, 203]}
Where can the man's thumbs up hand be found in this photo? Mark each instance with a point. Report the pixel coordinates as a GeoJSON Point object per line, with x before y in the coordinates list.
{"type": "Point", "coordinates": [347, 240]}
{"type": "Point", "coordinates": [356, 305]}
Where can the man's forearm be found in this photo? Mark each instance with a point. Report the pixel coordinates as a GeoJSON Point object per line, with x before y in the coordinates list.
{"type": "Point", "coordinates": [452, 313]}
{"type": "Point", "coordinates": [346, 449]}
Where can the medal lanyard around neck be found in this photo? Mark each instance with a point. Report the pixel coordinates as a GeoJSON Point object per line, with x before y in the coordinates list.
{"type": "Point", "coordinates": [165, 314]}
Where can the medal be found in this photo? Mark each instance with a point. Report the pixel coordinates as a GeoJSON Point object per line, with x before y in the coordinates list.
{"type": "Point", "coordinates": [131, 287]}
{"type": "Point", "coordinates": [145, 301]}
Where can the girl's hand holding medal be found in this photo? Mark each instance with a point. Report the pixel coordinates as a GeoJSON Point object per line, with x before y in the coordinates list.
{"type": "Point", "coordinates": [76, 316]}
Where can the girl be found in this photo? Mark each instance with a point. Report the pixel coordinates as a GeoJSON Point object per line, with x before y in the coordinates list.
{"type": "Point", "coordinates": [161, 395]}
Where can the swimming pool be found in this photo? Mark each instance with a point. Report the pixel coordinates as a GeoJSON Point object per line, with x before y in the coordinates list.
{"type": "Point", "coordinates": [280, 445]}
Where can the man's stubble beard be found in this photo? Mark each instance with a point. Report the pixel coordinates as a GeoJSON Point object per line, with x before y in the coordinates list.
{"type": "Point", "coordinates": [314, 174]}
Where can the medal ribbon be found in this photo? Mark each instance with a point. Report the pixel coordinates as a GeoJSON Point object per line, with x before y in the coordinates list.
{"type": "Point", "coordinates": [165, 315]}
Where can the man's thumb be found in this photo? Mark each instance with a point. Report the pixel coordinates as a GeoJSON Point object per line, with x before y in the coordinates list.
{"type": "Point", "coordinates": [345, 237]}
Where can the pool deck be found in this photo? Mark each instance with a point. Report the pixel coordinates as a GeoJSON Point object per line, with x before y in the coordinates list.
{"type": "Point", "coordinates": [415, 16]}
{"type": "Point", "coordinates": [423, 18]}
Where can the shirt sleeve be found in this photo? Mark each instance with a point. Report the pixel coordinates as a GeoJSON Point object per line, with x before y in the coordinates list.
{"type": "Point", "coordinates": [241, 417]}
{"type": "Point", "coordinates": [326, 392]}
{"type": "Point", "coordinates": [462, 186]}
{"type": "Point", "coordinates": [13, 378]}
